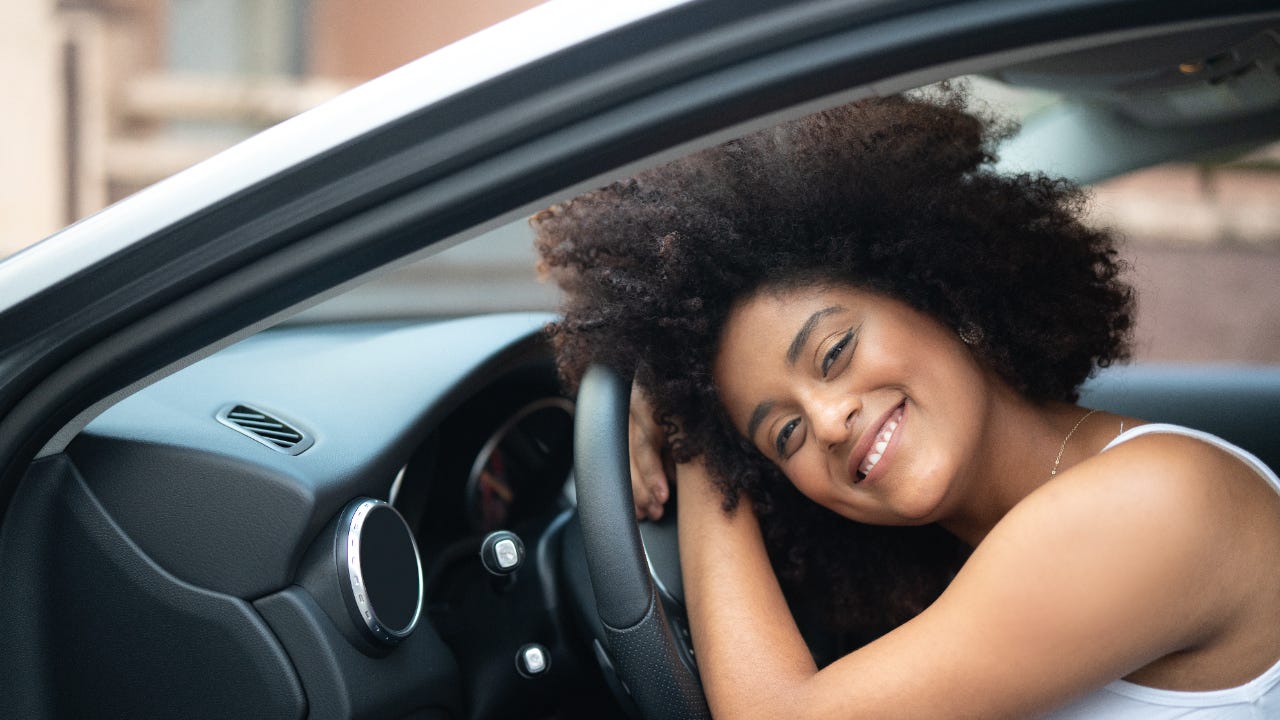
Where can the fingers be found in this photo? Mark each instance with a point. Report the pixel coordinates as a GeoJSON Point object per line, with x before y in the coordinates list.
{"type": "Point", "coordinates": [648, 480]}
{"type": "Point", "coordinates": [639, 491]}
{"type": "Point", "coordinates": [649, 483]}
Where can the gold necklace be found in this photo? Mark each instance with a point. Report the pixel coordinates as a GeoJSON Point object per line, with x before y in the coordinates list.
{"type": "Point", "coordinates": [1063, 449]}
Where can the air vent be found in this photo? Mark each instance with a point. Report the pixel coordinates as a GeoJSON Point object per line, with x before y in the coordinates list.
{"type": "Point", "coordinates": [265, 428]}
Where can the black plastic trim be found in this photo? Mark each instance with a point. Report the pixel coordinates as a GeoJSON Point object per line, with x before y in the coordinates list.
{"type": "Point", "coordinates": [97, 629]}
{"type": "Point", "coordinates": [342, 682]}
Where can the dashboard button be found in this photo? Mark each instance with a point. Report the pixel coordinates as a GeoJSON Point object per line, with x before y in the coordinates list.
{"type": "Point", "coordinates": [533, 660]}
{"type": "Point", "coordinates": [502, 552]}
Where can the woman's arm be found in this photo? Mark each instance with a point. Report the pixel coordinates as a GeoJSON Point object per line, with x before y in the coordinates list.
{"type": "Point", "coordinates": [747, 643]}
{"type": "Point", "coordinates": [1110, 567]}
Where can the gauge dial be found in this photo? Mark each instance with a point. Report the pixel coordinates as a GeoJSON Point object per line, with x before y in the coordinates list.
{"type": "Point", "coordinates": [524, 462]}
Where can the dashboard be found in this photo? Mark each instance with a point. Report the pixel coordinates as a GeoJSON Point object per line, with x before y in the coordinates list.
{"type": "Point", "coordinates": [181, 548]}
{"type": "Point", "coordinates": [174, 564]}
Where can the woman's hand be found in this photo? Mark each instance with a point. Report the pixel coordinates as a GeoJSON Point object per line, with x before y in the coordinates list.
{"type": "Point", "coordinates": [650, 485]}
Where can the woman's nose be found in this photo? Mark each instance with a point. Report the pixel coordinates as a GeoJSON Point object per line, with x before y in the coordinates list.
{"type": "Point", "coordinates": [832, 419]}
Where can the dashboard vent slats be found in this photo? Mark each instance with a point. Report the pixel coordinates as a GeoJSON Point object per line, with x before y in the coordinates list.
{"type": "Point", "coordinates": [265, 428]}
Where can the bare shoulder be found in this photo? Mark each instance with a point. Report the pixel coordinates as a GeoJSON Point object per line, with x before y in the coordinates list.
{"type": "Point", "coordinates": [1152, 534]}
{"type": "Point", "coordinates": [1122, 561]}
{"type": "Point", "coordinates": [1173, 462]}
{"type": "Point", "coordinates": [1186, 489]}
{"type": "Point", "coordinates": [1119, 562]}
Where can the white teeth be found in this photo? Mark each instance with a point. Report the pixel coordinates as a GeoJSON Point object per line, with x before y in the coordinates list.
{"type": "Point", "coordinates": [877, 450]}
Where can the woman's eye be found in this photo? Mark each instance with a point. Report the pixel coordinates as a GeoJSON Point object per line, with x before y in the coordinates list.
{"type": "Point", "coordinates": [835, 352]}
{"type": "Point", "coordinates": [784, 437]}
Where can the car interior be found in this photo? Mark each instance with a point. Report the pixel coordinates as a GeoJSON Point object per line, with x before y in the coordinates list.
{"type": "Point", "coordinates": [189, 553]}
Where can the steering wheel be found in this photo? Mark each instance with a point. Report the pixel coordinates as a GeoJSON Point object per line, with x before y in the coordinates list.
{"type": "Point", "coordinates": [644, 646]}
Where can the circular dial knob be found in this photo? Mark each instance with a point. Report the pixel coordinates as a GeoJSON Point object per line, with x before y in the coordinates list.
{"type": "Point", "coordinates": [379, 570]}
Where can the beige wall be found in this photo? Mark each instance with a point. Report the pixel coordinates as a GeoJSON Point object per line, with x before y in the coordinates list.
{"type": "Point", "coordinates": [62, 70]}
{"type": "Point", "coordinates": [122, 98]}
{"type": "Point", "coordinates": [361, 39]}
{"type": "Point", "coordinates": [32, 168]}
{"type": "Point", "coordinates": [67, 150]}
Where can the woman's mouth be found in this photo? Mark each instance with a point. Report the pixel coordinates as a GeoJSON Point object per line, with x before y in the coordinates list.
{"type": "Point", "coordinates": [880, 443]}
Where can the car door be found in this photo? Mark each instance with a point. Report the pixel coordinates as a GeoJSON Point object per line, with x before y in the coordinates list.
{"type": "Point", "coordinates": [566, 97]}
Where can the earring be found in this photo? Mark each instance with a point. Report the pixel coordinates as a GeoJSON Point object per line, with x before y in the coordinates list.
{"type": "Point", "coordinates": [971, 334]}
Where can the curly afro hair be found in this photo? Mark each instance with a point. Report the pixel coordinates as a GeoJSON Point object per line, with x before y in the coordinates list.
{"type": "Point", "coordinates": [893, 195]}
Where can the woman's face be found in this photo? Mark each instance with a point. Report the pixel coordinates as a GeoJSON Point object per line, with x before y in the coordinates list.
{"type": "Point", "coordinates": [871, 408]}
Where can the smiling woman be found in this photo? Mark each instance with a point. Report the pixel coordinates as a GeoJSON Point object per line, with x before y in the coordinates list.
{"type": "Point", "coordinates": [911, 378]}
{"type": "Point", "coordinates": [850, 317]}
{"type": "Point", "coordinates": [656, 265]}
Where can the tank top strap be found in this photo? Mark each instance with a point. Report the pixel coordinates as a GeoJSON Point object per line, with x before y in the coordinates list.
{"type": "Point", "coordinates": [1245, 456]}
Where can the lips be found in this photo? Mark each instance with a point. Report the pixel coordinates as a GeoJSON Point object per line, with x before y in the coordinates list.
{"type": "Point", "coordinates": [874, 443]}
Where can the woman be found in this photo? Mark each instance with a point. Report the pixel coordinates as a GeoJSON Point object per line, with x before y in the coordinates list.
{"type": "Point", "coordinates": [873, 345]}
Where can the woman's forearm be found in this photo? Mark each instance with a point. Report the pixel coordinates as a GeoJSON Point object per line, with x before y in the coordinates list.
{"type": "Point", "coordinates": [753, 660]}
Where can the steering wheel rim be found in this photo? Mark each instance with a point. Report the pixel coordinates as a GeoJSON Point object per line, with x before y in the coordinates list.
{"type": "Point", "coordinates": [642, 643]}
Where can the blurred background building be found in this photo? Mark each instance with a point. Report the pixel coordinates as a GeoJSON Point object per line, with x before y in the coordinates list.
{"type": "Point", "coordinates": [105, 97]}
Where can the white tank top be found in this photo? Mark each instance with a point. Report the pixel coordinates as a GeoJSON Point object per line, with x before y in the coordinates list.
{"type": "Point", "coordinates": [1259, 698]}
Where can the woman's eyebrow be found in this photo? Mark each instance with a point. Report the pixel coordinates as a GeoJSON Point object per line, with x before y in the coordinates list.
{"type": "Point", "coordinates": [757, 416]}
{"type": "Point", "coordinates": [802, 337]}
{"type": "Point", "coordinates": [793, 353]}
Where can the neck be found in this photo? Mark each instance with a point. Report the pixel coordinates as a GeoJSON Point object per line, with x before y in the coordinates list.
{"type": "Point", "coordinates": [1015, 457]}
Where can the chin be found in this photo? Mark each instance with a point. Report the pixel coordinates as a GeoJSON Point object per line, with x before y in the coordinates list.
{"type": "Point", "coordinates": [919, 502]}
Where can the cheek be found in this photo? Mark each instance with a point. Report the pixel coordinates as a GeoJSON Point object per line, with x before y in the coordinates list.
{"type": "Point", "coordinates": [811, 477]}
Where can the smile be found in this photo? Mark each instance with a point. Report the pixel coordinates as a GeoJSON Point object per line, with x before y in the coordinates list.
{"type": "Point", "coordinates": [879, 443]}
